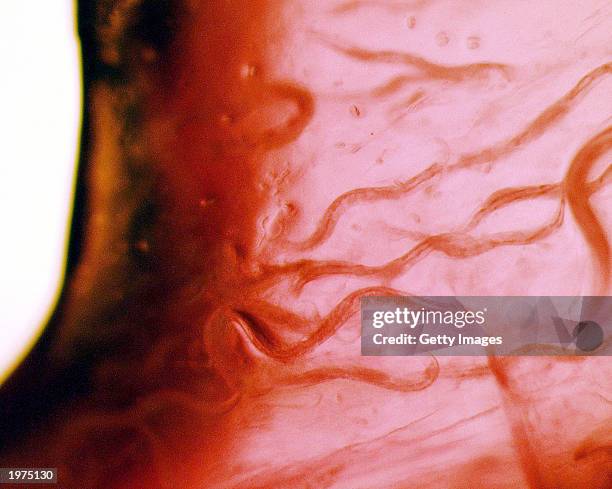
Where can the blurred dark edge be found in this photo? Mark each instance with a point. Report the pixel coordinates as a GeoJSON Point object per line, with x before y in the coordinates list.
{"type": "Point", "coordinates": [35, 389]}
{"type": "Point", "coordinates": [33, 395]}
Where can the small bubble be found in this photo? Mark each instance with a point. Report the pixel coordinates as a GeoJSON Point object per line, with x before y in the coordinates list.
{"type": "Point", "coordinates": [247, 71]}
{"type": "Point", "coordinates": [473, 42]}
{"type": "Point", "coordinates": [442, 38]}
{"type": "Point", "coordinates": [137, 152]}
{"type": "Point", "coordinates": [148, 54]}
{"type": "Point", "coordinates": [411, 22]}
{"type": "Point", "coordinates": [142, 246]}
{"type": "Point", "coordinates": [206, 202]}
{"type": "Point", "coordinates": [225, 120]}
{"type": "Point", "coordinates": [355, 111]}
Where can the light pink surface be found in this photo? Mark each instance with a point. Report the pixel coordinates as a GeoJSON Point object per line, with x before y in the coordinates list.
{"type": "Point", "coordinates": [490, 98]}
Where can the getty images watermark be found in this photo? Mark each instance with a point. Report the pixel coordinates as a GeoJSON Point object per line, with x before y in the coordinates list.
{"type": "Point", "coordinates": [401, 326]}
